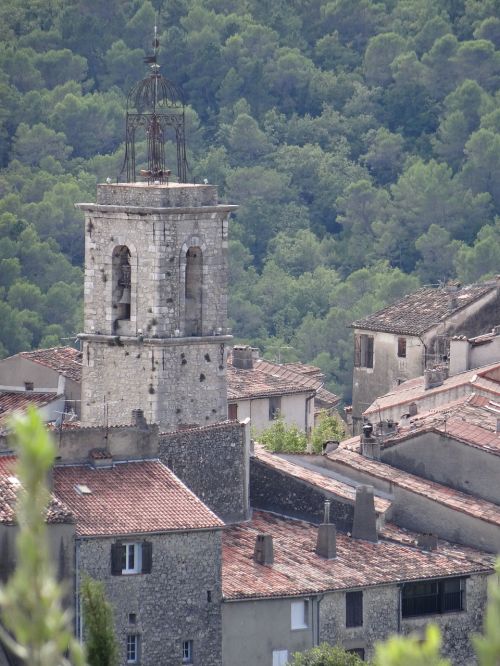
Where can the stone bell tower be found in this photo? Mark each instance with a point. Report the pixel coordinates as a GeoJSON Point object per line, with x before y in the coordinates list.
{"type": "Point", "coordinates": [155, 283]}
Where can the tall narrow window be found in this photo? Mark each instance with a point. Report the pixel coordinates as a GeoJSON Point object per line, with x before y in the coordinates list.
{"type": "Point", "coordinates": [121, 293]}
{"type": "Point", "coordinates": [363, 351]}
{"type": "Point", "coordinates": [187, 652]}
{"type": "Point", "coordinates": [354, 609]}
{"type": "Point", "coordinates": [132, 649]}
{"type": "Point", "coordinates": [193, 291]}
{"type": "Point", "coordinates": [402, 347]}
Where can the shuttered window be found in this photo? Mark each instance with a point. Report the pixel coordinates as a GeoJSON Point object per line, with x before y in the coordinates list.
{"type": "Point", "coordinates": [354, 609]}
{"type": "Point", "coordinates": [131, 558]}
{"type": "Point", "coordinates": [363, 351]}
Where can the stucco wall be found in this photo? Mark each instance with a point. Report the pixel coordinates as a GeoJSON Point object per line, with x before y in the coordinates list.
{"type": "Point", "coordinates": [214, 463]}
{"type": "Point", "coordinates": [253, 629]}
{"type": "Point", "coordinates": [422, 514]}
{"type": "Point", "coordinates": [448, 461]}
{"type": "Point", "coordinates": [170, 603]}
{"type": "Point", "coordinates": [293, 411]}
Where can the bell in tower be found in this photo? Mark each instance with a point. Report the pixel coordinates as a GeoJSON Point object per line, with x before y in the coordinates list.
{"type": "Point", "coordinates": [155, 299]}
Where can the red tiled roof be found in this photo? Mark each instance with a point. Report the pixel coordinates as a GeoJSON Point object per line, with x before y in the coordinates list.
{"type": "Point", "coordinates": [267, 378]}
{"type": "Point", "coordinates": [436, 492]}
{"type": "Point", "coordinates": [297, 570]}
{"type": "Point", "coordinates": [247, 384]}
{"type": "Point", "coordinates": [418, 312]}
{"type": "Point", "coordinates": [413, 390]}
{"type": "Point", "coordinates": [18, 401]}
{"type": "Point", "coordinates": [316, 479]}
{"type": "Point", "coordinates": [130, 498]}
{"type": "Point", "coordinates": [56, 511]}
{"type": "Point", "coordinates": [64, 360]}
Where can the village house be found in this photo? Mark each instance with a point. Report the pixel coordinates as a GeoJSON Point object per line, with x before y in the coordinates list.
{"type": "Point", "coordinates": [400, 341]}
{"type": "Point", "coordinates": [263, 391]}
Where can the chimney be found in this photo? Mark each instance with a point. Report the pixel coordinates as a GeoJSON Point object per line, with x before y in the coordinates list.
{"type": "Point", "coordinates": [326, 542]}
{"type": "Point", "coordinates": [263, 553]}
{"type": "Point", "coordinates": [29, 386]}
{"type": "Point", "coordinates": [100, 458]}
{"type": "Point", "coordinates": [459, 354]}
{"type": "Point", "coordinates": [370, 445]}
{"type": "Point", "coordinates": [242, 357]}
{"type": "Point", "coordinates": [255, 353]}
{"type": "Point", "coordinates": [365, 519]}
{"type": "Point", "coordinates": [427, 542]}
{"type": "Point", "coordinates": [138, 419]}
{"type": "Point", "coordinates": [412, 409]}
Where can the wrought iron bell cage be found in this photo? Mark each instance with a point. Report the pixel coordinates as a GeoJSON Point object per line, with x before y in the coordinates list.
{"type": "Point", "coordinates": [155, 105]}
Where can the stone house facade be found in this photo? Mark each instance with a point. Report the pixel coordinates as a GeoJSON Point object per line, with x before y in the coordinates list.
{"type": "Point", "coordinates": [157, 549]}
{"type": "Point", "coordinates": [400, 341]}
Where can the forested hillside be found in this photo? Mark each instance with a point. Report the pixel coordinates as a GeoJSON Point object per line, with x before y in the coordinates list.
{"type": "Point", "coordinates": [361, 138]}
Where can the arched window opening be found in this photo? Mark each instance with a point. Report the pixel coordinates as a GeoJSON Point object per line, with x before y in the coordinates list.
{"type": "Point", "coordinates": [121, 294]}
{"type": "Point", "coordinates": [193, 291]}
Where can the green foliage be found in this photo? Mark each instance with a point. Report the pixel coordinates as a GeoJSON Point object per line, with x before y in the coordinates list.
{"type": "Point", "coordinates": [40, 630]}
{"type": "Point", "coordinates": [487, 646]}
{"type": "Point", "coordinates": [283, 438]}
{"type": "Point", "coordinates": [350, 132]}
{"type": "Point", "coordinates": [411, 650]}
{"type": "Point", "coordinates": [329, 427]}
{"type": "Point", "coordinates": [100, 641]}
{"type": "Point", "coordinates": [326, 655]}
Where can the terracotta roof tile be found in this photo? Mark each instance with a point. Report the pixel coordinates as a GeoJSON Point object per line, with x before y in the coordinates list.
{"type": "Point", "coordinates": [65, 360]}
{"type": "Point", "coordinates": [460, 501]}
{"type": "Point", "coordinates": [18, 401]}
{"type": "Point", "coordinates": [130, 498]}
{"type": "Point", "coordinates": [56, 511]}
{"type": "Point", "coordinates": [416, 313]}
{"type": "Point", "coordinates": [297, 570]}
{"type": "Point", "coordinates": [338, 488]}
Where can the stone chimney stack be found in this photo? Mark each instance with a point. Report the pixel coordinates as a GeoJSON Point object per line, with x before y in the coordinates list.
{"type": "Point", "coordinates": [264, 553]}
{"type": "Point", "coordinates": [243, 357]}
{"type": "Point", "coordinates": [365, 519]}
{"type": "Point", "coordinates": [326, 544]}
{"type": "Point", "coordinates": [138, 419]}
{"type": "Point", "coordinates": [370, 445]}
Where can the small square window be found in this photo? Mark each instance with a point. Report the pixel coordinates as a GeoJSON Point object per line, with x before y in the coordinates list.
{"type": "Point", "coordinates": [300, 614]}
{"type": "Point", "coordinates": [187, 652]}
{"type": "Point", "coordinates": [132, 618]}
{"type": "Point", "coordinates": [132, 649]}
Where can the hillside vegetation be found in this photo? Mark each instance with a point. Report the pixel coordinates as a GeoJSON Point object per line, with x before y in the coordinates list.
{"type": "Point", "coordinates": [361, 139]}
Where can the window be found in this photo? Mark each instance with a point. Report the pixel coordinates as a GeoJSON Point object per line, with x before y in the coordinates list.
{"type": "Point", "coordinates": [193, 291]}
{"type": "Point", "coordinates": [232, 412]}
{"type": "Point", "coordinates": [132, 618]}
{"type": "Point", "coordinates": [354, 609]}
{"type": "Point", "coordinates": [300, 614]}
{"type": "Point", "coordinates": [187, 652]}
{"type": "Point", "coordinates": [274, 408]}
{"type": "Point", "coordinates": [402, 347]}
{"type": "Point", "coordinates": [359, 652]}
{"type": "Point", "coordinates": [132, 649]}
{"type": "Point", "coordinates": [131, 558]}
{"type": "Point", "coordinates": [434, 596]}
{"type": "Point", "coordinates": [121, 286]}
{"type": "Point", "coordinates": [280, 657]}
{"type": "Point", "coordinates": [363, 351]}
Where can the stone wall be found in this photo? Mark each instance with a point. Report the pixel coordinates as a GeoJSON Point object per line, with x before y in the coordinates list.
{"type": "Point", "coordinates": [381, 618]}
{"type": "Point", "coordinates": [275, 491]}
{"type": "Point", "coordinates": [149, 358]}
{"type": "Point", "coordinates": [179, 600]}
{"type": "Point", "coordinates": [176, 382]}
{"type": "Point", "coordinates": [214, 463]}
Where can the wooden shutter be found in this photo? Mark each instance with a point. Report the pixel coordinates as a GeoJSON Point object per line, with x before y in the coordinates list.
{"type": "Point", "coordinates": [357, 351]}
{"type": "Point", "coordinates": [116, 559]}
{"type": "Point", "coordinates": [354, 609]}
{"type": "Point", "coordinates": [147, 557]}
{"type": "Point", "coordinates": [369, 351]}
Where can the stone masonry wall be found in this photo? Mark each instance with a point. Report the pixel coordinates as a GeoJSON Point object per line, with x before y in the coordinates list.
{"type": "Point", "coordinates": [381, 618]}
{"type": "Point", "coordinates": [175, 383]}
{"type": "Point", "coordinates": [213, 463]}
{"type": "Point", "coordinates": [272, 490]}
{"type": "Point", "coordinates": [172, 604]}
